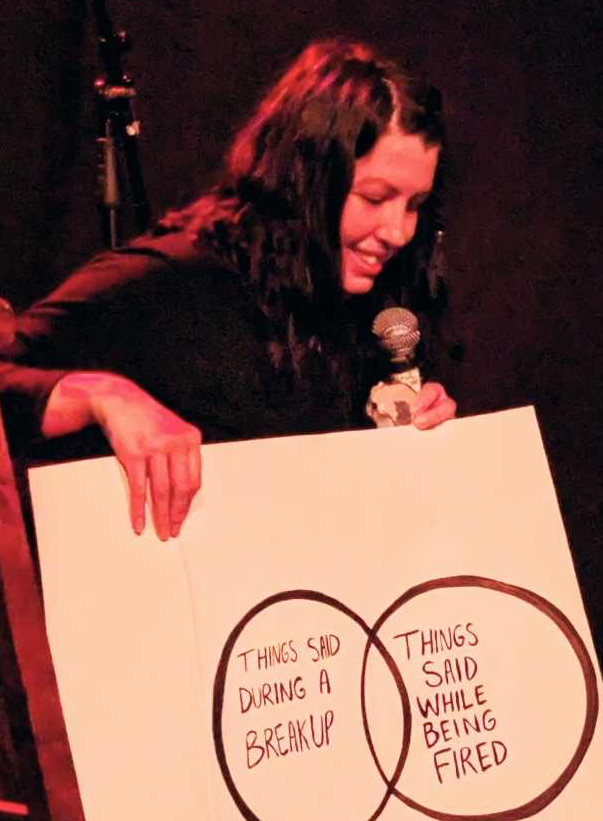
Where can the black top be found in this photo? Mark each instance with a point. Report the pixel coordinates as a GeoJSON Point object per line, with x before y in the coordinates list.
{"type": "Point", "coordinates": [186, 329]}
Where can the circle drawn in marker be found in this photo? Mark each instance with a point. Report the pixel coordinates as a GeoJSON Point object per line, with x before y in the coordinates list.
{"type": "Point", "coordinates": [220, 685]}
{"type": "Point", "coordinates": [546, 796]}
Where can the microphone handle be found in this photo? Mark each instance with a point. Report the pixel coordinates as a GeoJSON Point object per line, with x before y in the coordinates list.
{"type": "Point", "coordinates": [390, 402]}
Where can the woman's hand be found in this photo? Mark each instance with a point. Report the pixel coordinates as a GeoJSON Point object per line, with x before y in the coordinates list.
{"type": "Point", "coordinates": [156, 448]}
{"type": "Point", "coordinates": [432, 407]}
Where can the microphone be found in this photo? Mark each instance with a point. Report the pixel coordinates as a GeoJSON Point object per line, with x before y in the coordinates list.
{"type": "Point", "coordinates": [390, 401]}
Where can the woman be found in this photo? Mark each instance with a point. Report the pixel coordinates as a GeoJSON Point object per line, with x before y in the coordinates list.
{"type": "Point", "coordinates": [249, 312]}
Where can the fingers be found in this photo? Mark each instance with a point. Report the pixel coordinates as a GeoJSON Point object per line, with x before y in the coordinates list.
{"type": "Point", "coordinates": [159, 486]}
{"type": "Point", "coordinates": [433, 406]}
{"type": "Point", "coordinates": [136, 473]}
{"type": "Point", "coordinates": [180, 490]}
{"type": "Point", "coordinates": [172, 480]}
{"type": "Point", "coordinates": [194, 463]}
{"type": "Point", "coordinates": [185, 479]}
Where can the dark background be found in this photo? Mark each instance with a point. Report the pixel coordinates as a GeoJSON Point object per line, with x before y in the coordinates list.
{"type": "Point", "coordinates": [521, 81]}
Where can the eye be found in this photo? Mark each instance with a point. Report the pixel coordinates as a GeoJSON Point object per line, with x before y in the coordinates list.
{"type": "Point", "coordinates": [373, 199]}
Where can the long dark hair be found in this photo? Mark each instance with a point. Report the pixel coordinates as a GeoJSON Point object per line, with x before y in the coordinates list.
{"type": "Point", "coordinates": [276, 214]}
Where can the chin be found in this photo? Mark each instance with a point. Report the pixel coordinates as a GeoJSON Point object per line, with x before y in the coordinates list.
{"type": "Point", "coordinates": [357, 285]}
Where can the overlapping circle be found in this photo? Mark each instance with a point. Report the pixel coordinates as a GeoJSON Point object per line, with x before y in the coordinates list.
{"type": "Point", "coordinates": [375, 644]}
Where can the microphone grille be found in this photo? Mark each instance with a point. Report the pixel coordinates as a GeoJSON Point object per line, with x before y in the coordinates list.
{"type": "Point", "coordinates": [397, 330]}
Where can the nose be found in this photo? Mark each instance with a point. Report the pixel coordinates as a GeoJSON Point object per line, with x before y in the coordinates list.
{"type": "Point", "coordinates": [397, 224]}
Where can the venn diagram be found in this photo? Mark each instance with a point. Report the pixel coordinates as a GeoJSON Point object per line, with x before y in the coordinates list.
{"type": "Point", "coordinates": [468, 698]}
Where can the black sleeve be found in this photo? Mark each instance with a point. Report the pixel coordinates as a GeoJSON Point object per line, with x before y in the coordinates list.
{"type": "Point", "coordinates": [87, 323]}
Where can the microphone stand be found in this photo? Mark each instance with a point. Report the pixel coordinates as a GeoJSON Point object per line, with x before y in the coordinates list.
{"type": "Point", "coordinates": [118, 131]}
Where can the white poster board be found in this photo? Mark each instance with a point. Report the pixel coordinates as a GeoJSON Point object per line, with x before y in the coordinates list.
{"type": "Point", "coordinates": [379, 624]}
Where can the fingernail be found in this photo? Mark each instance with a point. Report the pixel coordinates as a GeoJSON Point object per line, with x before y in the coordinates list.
{"type": "Point", "coordinates": [175, 530]}
{"type": "Point", "coordinates": [420, 421]}
{"type": "Point", "coordinates": [138, 526]}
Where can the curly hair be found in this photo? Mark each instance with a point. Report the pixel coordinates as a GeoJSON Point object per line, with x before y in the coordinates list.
{"type": "Point", "coordinates": [276, 214]}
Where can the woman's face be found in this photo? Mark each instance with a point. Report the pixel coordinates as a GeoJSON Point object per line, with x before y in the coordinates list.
{"type": "Point", "coordinates": [380, 213]}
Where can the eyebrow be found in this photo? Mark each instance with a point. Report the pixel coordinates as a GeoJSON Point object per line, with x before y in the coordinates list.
{"type": "Point", "coordinates": [376, 181]}
{"type": "Point", "coordinates": [391, 188]}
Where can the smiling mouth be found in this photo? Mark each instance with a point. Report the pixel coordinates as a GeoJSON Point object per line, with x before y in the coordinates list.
{"type": "Point", "coordinates": [369, 263]}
